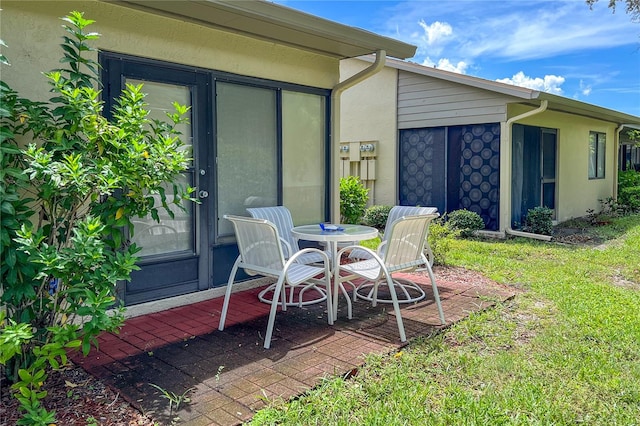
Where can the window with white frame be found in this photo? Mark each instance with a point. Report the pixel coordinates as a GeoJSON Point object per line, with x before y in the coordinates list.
{"type": "Point", "coordinates": [597, 141]}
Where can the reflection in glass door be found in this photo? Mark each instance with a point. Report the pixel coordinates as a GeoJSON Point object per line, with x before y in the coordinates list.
{"type": "Point", "coordinates": [247, 149]}
{"type": "Point", "coordinates": [171, 234]}
{"type": "Point", "coordinates": [533, 184]}
{"type": "Point", "coordinates": [548, 179]}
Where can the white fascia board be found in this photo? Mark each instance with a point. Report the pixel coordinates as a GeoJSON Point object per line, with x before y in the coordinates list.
{"type": "Point", "coordinates": [273, 22]}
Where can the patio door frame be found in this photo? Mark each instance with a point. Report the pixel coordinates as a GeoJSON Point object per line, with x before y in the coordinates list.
{"type": "Point", "coordinates": [215, 253]}
{"type": "Point", "coordinates": [173, 273]}
{"type": "Point", "coordinates": [534, 170]}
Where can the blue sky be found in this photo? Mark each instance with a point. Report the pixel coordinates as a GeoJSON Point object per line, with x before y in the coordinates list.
{"type": "Point", "coordinates": [561, 47]}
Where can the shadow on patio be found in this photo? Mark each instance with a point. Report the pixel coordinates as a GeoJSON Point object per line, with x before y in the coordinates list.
{"type": "Point", "coordinates": [232, 376]}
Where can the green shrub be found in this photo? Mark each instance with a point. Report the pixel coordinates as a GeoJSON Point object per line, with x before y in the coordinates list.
{"type": "Point", "coordinates": [376, 216]}
{"type": "Point", "coordinates": [630, 198]}
{"type": "Point", "coordinates": [353, 199]}
{"type": "Point", "coordinates": [465, 221]}
{"type": "Point", "coordinates": [87, 178]}
{"type": "Point", "coordinates": [440, 236]}
{"type": "Point", "coordinates": [629, 190]}
{"type": "Point", "coordinates": [539, 221]}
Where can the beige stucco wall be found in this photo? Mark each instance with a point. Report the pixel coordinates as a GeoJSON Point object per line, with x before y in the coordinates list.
{"type": "Point", "coordinates": [33, 33]}
{"type": "Point", "coordinates": [575, 192]}
{"type": "Point", "coordinates": [368, 113]}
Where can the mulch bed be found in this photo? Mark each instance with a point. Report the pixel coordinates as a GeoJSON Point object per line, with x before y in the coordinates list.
{"type": "Point", "coordinates": [78, 399]}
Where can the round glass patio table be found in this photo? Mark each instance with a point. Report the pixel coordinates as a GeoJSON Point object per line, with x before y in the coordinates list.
{"type": "Point", "coordinates": [345, 233]}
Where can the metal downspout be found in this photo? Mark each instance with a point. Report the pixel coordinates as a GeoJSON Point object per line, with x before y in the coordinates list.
{"type": "Point", "coordinates": [616, 151]}
{"type": "Point", "coordinates": [508, 124]}
{"type": "Point", "coordinates": [336, 94]}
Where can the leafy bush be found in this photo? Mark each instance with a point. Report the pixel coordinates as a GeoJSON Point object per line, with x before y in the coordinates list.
{"type": "Point", "coordinates": [539, 221]}
{"type": "Point", "coordinates": [439, 239]}
{"type": "Point", "coordinates": [465, 221]}
{"type": "Point", "coordinates": [629, 190]}
{"type": "Point", "coordinates": [86, 178]}
{"type": "Point", "coordinates": [630, 198]}
{"type": "Point", "coordinates": [376, 216]}
{"type": "Point", "coordinates": [353, 199]}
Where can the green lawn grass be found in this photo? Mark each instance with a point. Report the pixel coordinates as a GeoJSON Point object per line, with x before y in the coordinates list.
{"type": "Point", "coordinates": [565, 351]}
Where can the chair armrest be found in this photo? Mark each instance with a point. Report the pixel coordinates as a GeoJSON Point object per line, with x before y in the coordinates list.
{"type": "Point", "coordinates": [287, 247]}
{"type": "Point", "coordinates": [299, 253]}
{"type": "Point", "coordinates": [380, 246]}
{"type": "Point", "coordinates": [354, 247]}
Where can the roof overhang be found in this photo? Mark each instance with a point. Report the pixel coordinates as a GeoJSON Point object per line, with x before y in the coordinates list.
{"type": "Point", "coordinates": [523, 94]}
{"type": "Point", "coordinates": [572, 106]}
{"type": "Point", "coordinates": [272, 22]}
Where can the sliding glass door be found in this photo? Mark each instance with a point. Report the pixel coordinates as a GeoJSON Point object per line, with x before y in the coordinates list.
{"type": "Point", "coordinates": [254, 143]}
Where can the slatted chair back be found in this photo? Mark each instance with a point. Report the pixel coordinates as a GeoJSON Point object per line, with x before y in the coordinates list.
{"type": "Point", "coordinates": [258, 244]}
{"type": "Point", "coordinates": [280, 216]}
{"type": "Point", "coordinates": [399, 211]}
{"type": "Point", "coordinates": [405, 242]}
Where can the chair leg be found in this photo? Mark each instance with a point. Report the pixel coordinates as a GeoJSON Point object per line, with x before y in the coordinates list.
{"type": "Point", "coordinates": [346, 296]}
{"type": "Point", "coordinates": [327, 278]}
{"type": "Point", "coordinates": [283, 297]}
{"type": "Point", "coordinates": [277, 294]}
{"type": "Point", "coordinates": [396, 305]}
{"type": "Point", "coordinates": [374, 293]}
{"type": "Point", "coordinates": [436, 294]}
{"type": "Point", "coordinates": [227, 294]}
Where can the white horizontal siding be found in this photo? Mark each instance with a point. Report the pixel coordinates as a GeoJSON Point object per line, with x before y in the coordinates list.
{"type": "Point", "coordinates": [430, 102]}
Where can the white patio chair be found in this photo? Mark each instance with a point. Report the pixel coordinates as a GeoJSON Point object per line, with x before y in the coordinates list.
{"type": "Point", "coordinates": [403, 252]}
{"type": "Point", "coordinates": [261, 254]}
{"type": "Point", "coordinates": [396, 213]}
{"type": "Point", "coordinates": [408, 291]}
{"type": "Point", "coordinates": [280, 216]}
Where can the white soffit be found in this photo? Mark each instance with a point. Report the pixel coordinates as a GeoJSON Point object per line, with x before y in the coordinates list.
{"type": "Point", "coordinates": [280, 24]}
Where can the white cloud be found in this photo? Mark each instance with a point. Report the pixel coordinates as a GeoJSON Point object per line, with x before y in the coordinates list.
{"type": "Point", "coordinates": [514, 30]}
{"type": "Point", "coordinates": [436, 31]}
{"type": "Point", "coordinates": [549, 84]}
{"type": "Point", "coordinates": [447, 65]}
{"type": "Point", "coordinates": [585, 89]}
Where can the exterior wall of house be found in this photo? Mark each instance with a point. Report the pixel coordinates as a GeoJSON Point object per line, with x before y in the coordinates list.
{"type": "Point", "coordinates": [576, 193]}
{"type": "Point", "coordinates": [32, 32]}
{"type": "Point", "coordinates": [369, 114]}
{"type": "Point", "coordinates": [425, 101]}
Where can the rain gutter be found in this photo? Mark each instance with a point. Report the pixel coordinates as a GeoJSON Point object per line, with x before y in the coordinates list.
{"type": "Point", "coordinates": [336, 95]}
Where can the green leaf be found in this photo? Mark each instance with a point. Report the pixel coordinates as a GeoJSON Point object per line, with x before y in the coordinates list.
{"type": "Point", "coordinates": [73, 344]}
{"type": "Point", "coordinates": [24, 375]}
{"type": "Point", "coordinates": [38, 376]}
{"type": "Point", "coordinates": [10, 258]}
{"type": "Point", "coordinates": [54, 363]}
{"type": "Point", "coordinates": [25, 391]}
{"type": "Point", "coordinates": [7, 208]}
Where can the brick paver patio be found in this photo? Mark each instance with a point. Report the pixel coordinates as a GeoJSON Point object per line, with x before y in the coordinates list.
{"type": "Point", "coordinates": [229, 372]}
